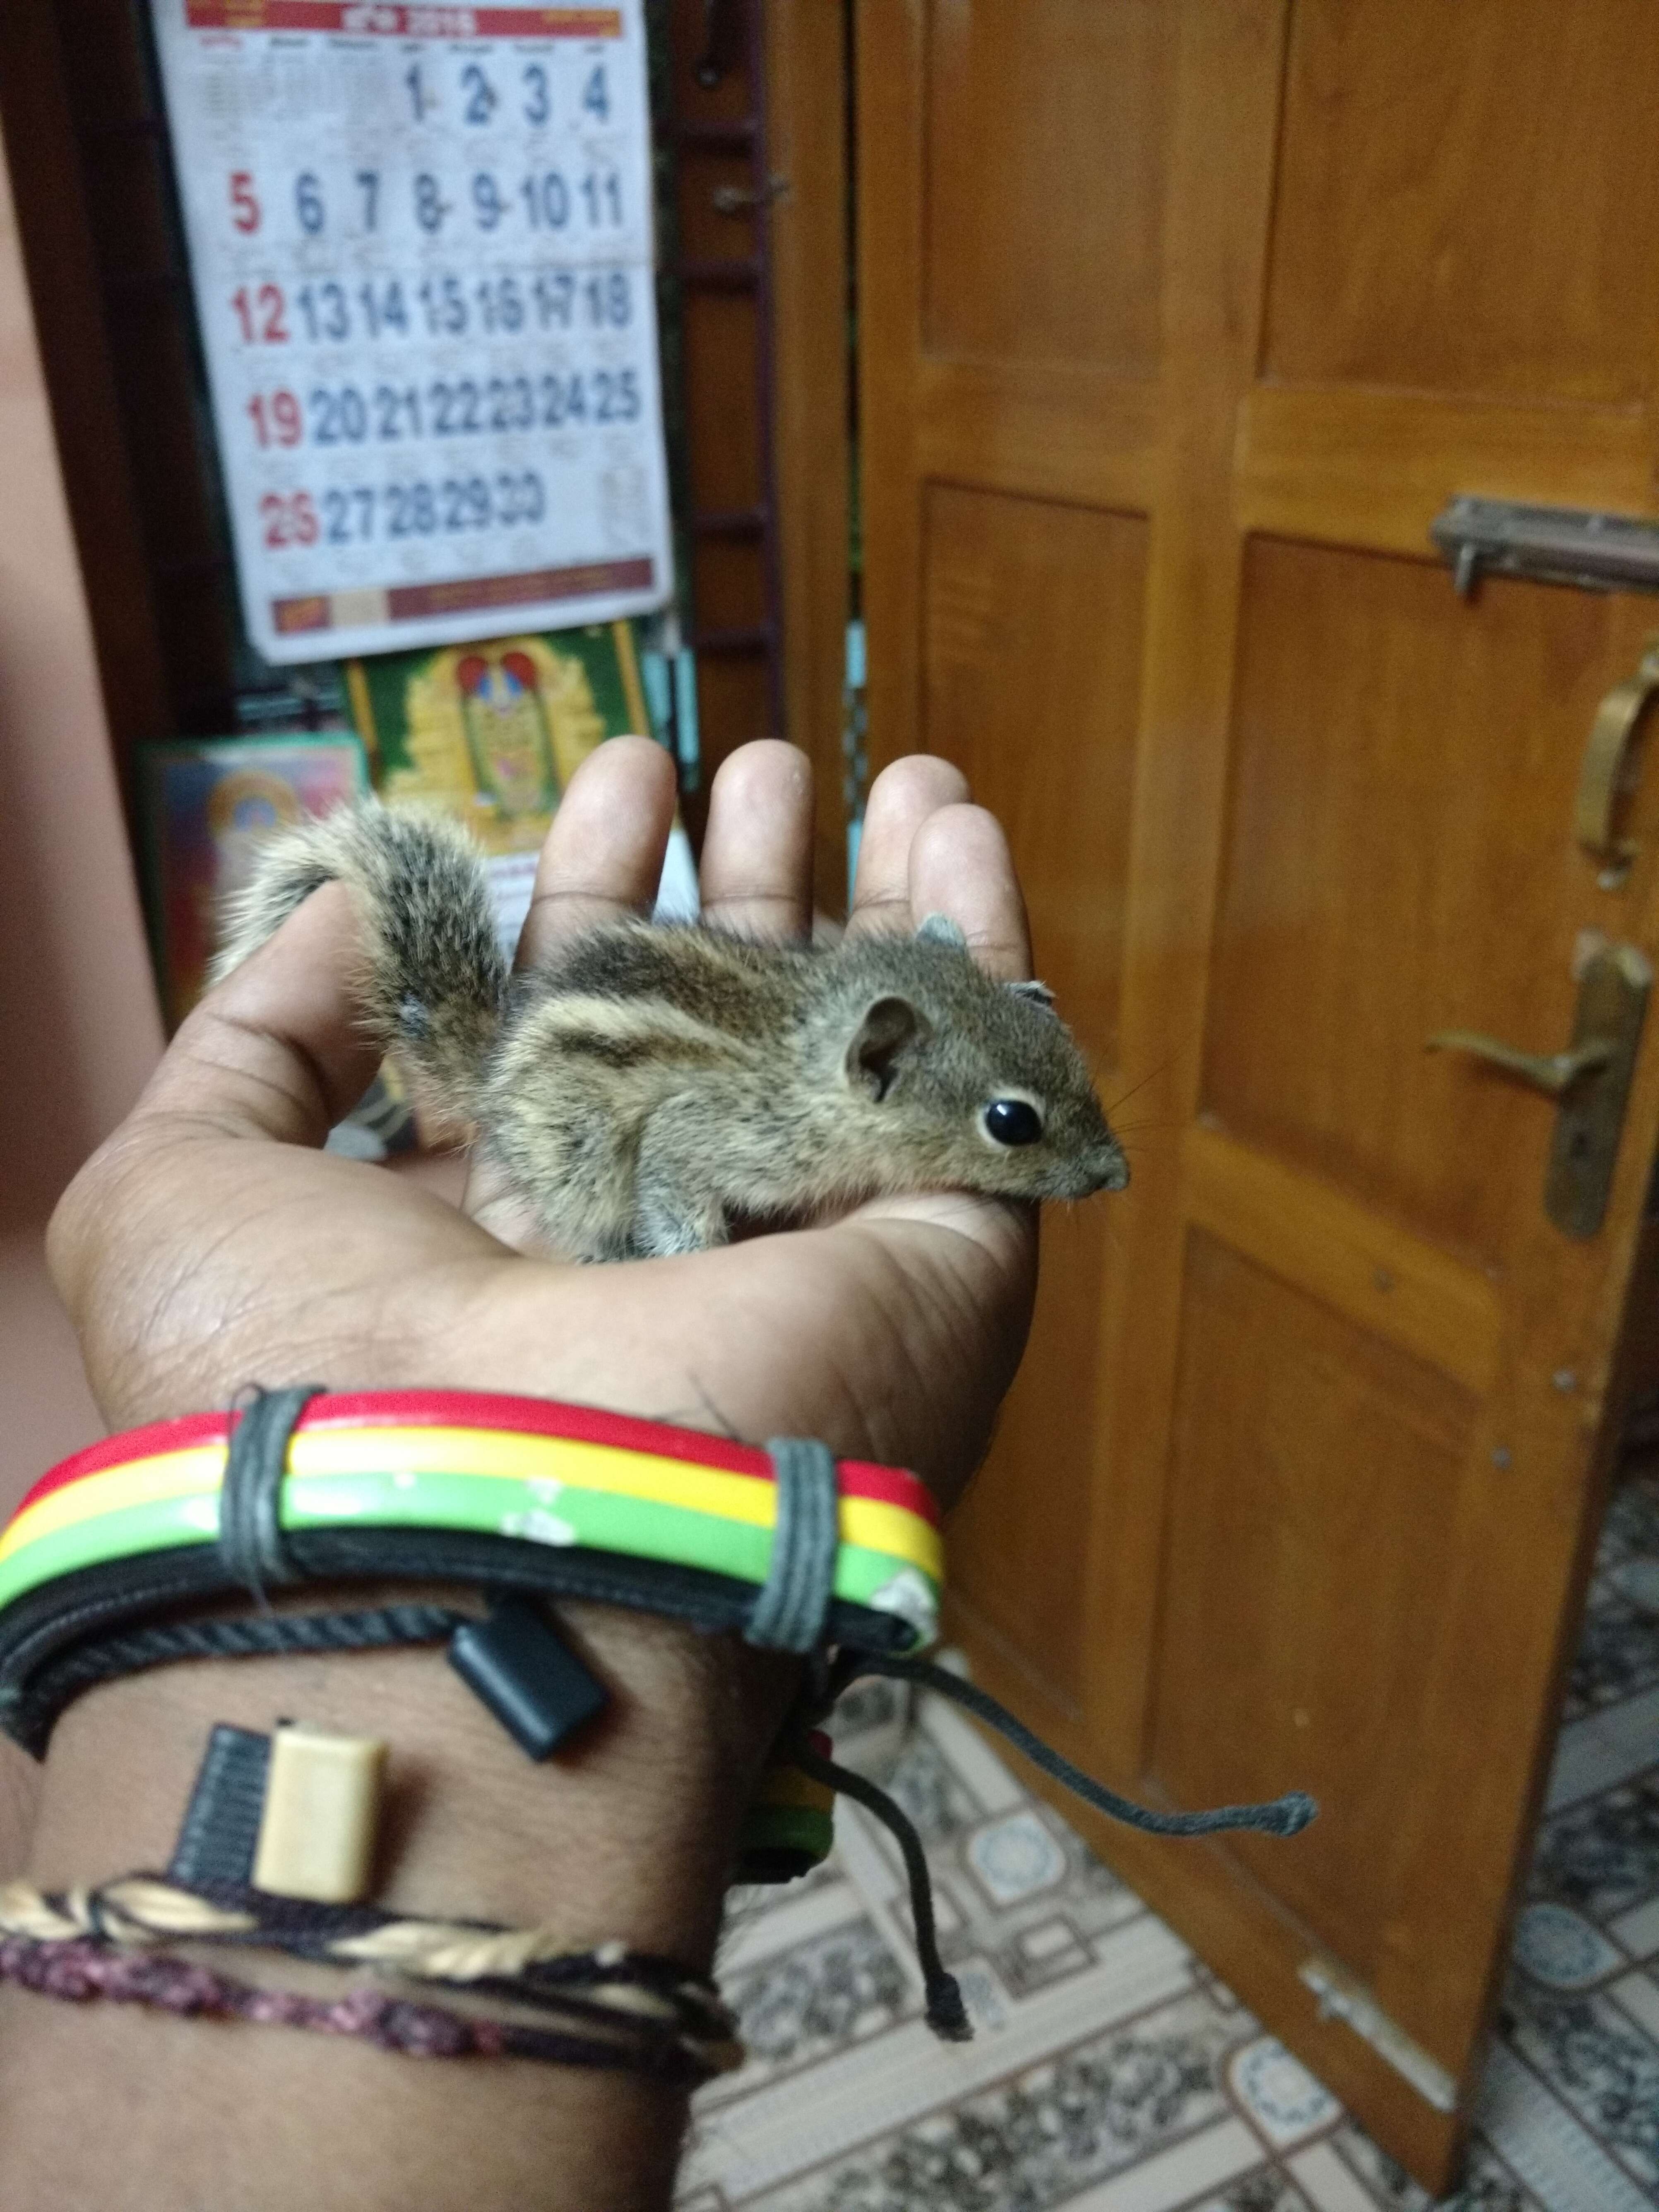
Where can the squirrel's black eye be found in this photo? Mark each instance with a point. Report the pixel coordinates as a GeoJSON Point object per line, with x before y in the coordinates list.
{"type": "Point", "coordinates": [1012, 1121]}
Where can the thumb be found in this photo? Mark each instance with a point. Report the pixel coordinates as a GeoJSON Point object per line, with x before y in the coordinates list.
{"type": "Point", "coordinates": [276, 1051]}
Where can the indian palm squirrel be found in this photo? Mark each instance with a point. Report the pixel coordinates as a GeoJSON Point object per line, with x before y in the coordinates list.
{"type": "Point", "coordinates": [650, 1085]}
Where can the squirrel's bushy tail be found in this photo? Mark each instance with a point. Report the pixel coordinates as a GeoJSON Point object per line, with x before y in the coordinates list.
{"type": "Point", "coordinates": [433, 976]}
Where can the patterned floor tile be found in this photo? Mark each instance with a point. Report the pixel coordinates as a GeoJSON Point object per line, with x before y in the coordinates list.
{"type": "Point", "coordinates": [1559, 1946]}
{"type": "Point", "coordinates": [1546, 2145]}
{"type": "Point", "coordinates": [1636, 1581]}
{"type": "Point", "coordinates": [1617, 1652]}
{"type": "Point", "coordinates": [1170, 2178]}
{"type": "Point", "coordinates": [1278, 2094]}
{"type": "Point", "coordinates": [1388, 2183]}
{"type": "Point", "coordinates": [1602, 1856]}
{"type": "Point", "coordinates": [1329, 2182]}
{"type": "Point", "coordinates": [1489, 2186]}
{"type": "Point", "coordinates": [1599, 2063]}
{"type": "Point", "coordinates": [837, 1990]}
{"type": "Point", "coordinates": [1630, 1529]}
{"type": "Point", "coordinates": [1638, 1930]}
{"type": "Point", "coordinates": [1039, 2141]}
{"type": "Point", "coordinates": [1015, 1858]}
{"type": "Point", "coordinates": [1637, 1995]}
{"type": "Point", "coordinates": [1267, 2190]}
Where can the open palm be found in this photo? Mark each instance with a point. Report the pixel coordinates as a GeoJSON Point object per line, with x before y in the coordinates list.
{"type": "Point", "coordinates": [212, 1242]}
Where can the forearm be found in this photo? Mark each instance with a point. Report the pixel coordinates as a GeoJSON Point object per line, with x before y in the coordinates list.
{"type": "Point", "coordinates": [212, 1242]}
{"type": "Point", "coordinates": [629, 1837]}
{"type": "Point", "coordinates": [20, 1786]}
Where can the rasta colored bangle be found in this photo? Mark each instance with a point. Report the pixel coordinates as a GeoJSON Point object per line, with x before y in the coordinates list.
{"type": "Point", "coordinates": [521, 1467]}
{"type": "Point", "coordinates": [507, 1493]}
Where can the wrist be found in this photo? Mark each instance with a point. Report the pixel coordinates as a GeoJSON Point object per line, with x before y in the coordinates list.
{"type": "Point", "coordinates": [628, 1834]}
{"type": "Point", "coordinates": [628, 1831]}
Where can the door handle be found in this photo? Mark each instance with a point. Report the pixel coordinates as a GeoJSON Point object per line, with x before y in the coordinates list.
{"type": "Point", "coordinates": [1552, 1072]}
{"type": "Point", "coordinates": [1590, 1078]}
{"type": "Point", "coordinates": [1602, 778]}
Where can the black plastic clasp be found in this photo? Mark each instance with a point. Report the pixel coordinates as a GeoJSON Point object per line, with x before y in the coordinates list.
{"type": "Point", "coordinates": [514, 1663]}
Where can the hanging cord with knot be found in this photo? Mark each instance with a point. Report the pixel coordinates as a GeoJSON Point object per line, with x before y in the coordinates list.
{"type": "Point", "coordinates": [789, 1615]}
{"type": "Point", "coordinates": [946, 2013]}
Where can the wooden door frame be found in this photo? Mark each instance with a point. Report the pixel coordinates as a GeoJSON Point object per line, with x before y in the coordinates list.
{"type": "Point", "coordinates": [811, 462]}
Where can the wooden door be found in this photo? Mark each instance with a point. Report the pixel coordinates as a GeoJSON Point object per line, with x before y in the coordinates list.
{"type": "Point", "coordinates": [1179, 321]}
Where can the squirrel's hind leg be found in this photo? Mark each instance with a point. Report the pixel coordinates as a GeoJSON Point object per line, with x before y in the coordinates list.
{"type": "Point", "coordinates": [552, 1125]}
{"type": "Point", "coordinates": [667, 1223]}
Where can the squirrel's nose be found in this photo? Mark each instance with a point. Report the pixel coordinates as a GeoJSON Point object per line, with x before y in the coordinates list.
{"type": "Point", "coordinates": [1111, 1169]}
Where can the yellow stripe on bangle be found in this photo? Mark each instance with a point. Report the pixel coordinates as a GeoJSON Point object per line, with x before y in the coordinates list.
{"type": "Point", "coordinates": [199, 1469]}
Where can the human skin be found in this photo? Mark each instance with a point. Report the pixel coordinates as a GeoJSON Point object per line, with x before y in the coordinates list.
{"type": "Point", "coordinates": [212, 1242]}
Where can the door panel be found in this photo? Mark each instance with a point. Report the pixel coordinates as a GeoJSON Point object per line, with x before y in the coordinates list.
{"type": "Point", "coordinates": [1402, 765]}
{"type": "Point", "coordinates": [1298, 1483]}
{"type": "Point", "coordinates": [1415, 137]}
{"type": "Point", "coordinates": [1084, 290]}
{"type": "Point", "coordinates": [1314, 1470]}
{"type": "Point", "coordinates": [1031, 621]}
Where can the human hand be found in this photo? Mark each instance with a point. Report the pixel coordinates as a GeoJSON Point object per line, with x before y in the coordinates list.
{"type": "Point", "coordinates": [211, 1242]}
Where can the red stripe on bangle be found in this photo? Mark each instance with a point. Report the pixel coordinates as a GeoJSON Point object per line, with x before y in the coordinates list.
{"type": "Point", "coordinates": [129, 1445]}
{"type": "Point", "coordinates": [363, 1409]}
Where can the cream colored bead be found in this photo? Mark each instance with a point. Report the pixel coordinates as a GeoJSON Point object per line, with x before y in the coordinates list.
{"type": "Point", "coordinates": [322, 1808]}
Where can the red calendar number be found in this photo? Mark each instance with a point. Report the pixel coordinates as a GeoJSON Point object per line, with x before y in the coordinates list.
{"type": "Point", "coordinates": [288, 519]}
{"type": "Point", "coordinates": [262, 314]}
{"type": "Point", "coordinates": [244, 202]}
{"type": "Point", "coordinates": [276, 419]}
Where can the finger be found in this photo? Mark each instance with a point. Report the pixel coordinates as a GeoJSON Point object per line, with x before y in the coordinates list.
{"type": "Point", "coordinates": [276, 1051]}
{"type": "Point", "coordinates": [757, 849]}
{"type": "Point", "coordinates": [901, 799]}
{"type": "Point", "coordinates": [603, 857]}
{"type": "Point", "coordinates": [961, 867]}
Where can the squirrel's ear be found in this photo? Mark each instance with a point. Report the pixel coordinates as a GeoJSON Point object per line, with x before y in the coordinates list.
{"type": "Point", "coordinates": [1039, 993]}
{"type": "Point", "coordinates": [890, 1027]}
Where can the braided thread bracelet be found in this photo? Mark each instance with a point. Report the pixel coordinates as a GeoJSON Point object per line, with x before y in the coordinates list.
{"type": "Point", "coordinates": [790, 1547]}
{"type": "Point", "coordinates": [614, 2008]}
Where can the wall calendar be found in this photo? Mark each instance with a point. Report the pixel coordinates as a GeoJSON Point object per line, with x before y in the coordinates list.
{"type": "Point", "coordinates": [421, 241]}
